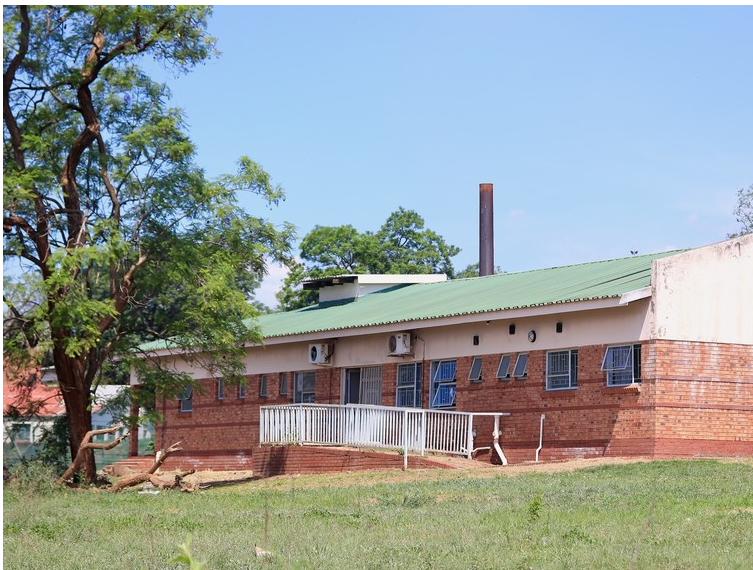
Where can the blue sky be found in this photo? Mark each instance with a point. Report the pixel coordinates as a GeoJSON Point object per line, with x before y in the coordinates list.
{"type": "Point", "coordinates": [603, 129]}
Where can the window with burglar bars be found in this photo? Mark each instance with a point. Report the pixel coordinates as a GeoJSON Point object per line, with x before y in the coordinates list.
{"type": "Point", "coordinates": [443, 383]}
{"type": "Point", "coordinates": [304, 387]}
{"type": "Point", "coordinates": [283, 383]}
{"type": "Point", "coordinates": [622, 365]}
{"type": "Point", "coordinates": [408, 385]}
{"type": "Point", "coordinates": [371, 386]}
{"type": "Point", "coordinates": [220, 389]}
{"type": "Point", "coordinates": [263, 386]}
{"type": "Point", "coordinates": [562, 370]}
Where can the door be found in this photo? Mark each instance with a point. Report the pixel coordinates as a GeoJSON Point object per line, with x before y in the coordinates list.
{"type": "Point", "coordinates": [363, 386]}
{"type": "Point", "coordinates": [352, 386]}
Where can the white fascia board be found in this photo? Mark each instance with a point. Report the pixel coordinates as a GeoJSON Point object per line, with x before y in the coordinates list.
{"type": "Point", "coordinates": [400, 278]}
{"type": "Point", "coordinates": [635, 295]}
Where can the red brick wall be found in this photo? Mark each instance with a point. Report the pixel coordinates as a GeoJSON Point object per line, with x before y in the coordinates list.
{"type": "Point", "coordinates": [588, 421]}
{"type": "Point", "coordinates": [703, 398]}
{"type": "Point", "coordinates": [270, 461]}
{"type": "Point", "coordinates": [695, 399]}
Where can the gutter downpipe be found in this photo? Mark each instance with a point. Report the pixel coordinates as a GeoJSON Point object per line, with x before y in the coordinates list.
{"type": "Point", "coordinates": [541, 437]}
{"type": "Point", "coordinates": [497, 448]}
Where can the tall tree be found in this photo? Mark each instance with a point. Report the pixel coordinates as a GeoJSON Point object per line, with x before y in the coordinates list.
{"type": "Point", "coordinates": [402, 245]}
{"type": "Point", "coordinates": [406, 246]}
{"type": "Point", "coordinates": [103, 204]}
{"type": "Point", "coordinates": [744, 210]}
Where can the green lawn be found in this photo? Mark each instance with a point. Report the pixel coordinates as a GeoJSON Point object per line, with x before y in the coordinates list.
{"type": "Point", "coordinates": [680, 514]}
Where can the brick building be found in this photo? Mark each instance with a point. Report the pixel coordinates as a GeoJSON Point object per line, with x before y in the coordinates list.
{"type": "Point", "coordinates": [648, 355]}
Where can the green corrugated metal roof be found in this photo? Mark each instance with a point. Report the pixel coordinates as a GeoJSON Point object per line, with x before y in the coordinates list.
{"type": "Point", "coordinates": [596, 280]}
{"type": "Point", "coordinates": [426, 301]}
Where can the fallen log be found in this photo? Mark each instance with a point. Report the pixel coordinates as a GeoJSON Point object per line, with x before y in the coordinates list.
{"type": "Point", "coordinates": [159, 459]}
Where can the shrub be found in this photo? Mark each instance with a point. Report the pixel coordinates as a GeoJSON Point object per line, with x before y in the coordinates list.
{"type": "Point", "coordinates": [34, 477]}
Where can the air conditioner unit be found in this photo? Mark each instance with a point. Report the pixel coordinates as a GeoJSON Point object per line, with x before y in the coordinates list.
{"type": "Point", "coordinates": [400, 344]}
{"type": "Point", "coordinates": [319, 353]}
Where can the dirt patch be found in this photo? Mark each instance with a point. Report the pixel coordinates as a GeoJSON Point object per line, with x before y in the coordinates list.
{"type": "Point", "coordinates": [459, 468]}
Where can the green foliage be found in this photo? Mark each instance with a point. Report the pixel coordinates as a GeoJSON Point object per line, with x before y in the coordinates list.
{"type": "Point", "coordinates": [744, 211]}
{"type": "Point", "coordinates": [534, 508]}
{"type": "Point", "coordinates": [473, 271]}
{"type": "Point", "coordinates": [402, 245]}
{"type": "Point", "coordinates": [185, 557]}
{"type": "Point", "coordinates": [115, 236]}
{"type": "Point", "coordinates": [291, 295]}
{"type": "Point", "coordinates": [54, 445]}
{"type": "Point", "coordinates": [34, 477]}
{"type": "Point", "coordinates": [406, 247]}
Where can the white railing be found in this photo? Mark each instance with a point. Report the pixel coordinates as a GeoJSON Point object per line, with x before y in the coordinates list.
{"type": "Point", "coordinates": [409, 429]}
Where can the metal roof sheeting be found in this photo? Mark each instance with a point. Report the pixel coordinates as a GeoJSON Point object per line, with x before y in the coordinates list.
{"type": "Point", "coordinates": [588, 281]}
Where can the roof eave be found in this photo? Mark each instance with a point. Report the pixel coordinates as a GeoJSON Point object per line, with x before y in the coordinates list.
{"type": "Point", "coordinates": [509, 313]}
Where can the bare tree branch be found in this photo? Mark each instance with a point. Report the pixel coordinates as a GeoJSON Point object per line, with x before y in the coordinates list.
{"type": "Point", "coordinates": [159, 459]}
{"type": "Point", "coordinates": [86, 445]}
{"type": "Point", "coordinates": [8, 77]}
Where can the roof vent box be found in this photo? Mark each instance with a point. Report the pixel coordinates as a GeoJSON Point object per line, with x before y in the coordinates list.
{"type": "Point", "coordinates": [400, 344]}
{"type": "Point", "coordinates": [320, 353]}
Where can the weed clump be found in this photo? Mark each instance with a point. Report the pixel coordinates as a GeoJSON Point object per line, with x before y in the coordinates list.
{"type": "Point", "coordinates": [33, 478]}
{"type": "Point", "coordinates": [534, 508]}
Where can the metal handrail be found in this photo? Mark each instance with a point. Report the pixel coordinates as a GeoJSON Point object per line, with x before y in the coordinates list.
{"type": "Point", "coordinates": [360, 425]}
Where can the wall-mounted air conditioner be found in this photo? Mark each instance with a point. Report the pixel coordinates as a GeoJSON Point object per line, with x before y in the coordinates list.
{"type": "Point", "coordinates": [400, 344]}
{"type": "Point", "coordinates": [320, 353]}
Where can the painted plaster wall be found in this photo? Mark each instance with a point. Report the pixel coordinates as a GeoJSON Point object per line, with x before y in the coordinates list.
{"type": "Point", "coordinates": [613, 325]}
{"type": "Point", "coordinates": [705, 294]}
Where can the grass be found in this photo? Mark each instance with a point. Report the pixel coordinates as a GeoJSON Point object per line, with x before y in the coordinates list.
{"type": "Point", "coordinates": [678, 514]}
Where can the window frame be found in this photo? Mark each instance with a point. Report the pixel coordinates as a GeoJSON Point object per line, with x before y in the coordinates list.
{"type": "Point", "coordinates": [412, 386]}
{"type": "Point", "coordinates": [22, 432]}
{"type": "Point", "coordinates": [524, 374]}
{"type": "Point", "coordinates": [185, 400]}
{"type": "Point", "coordinates": [632, 364]}
{"type": "Point", "coordinates": [477, 378]}
{"type": "Point", "coordinates": [507, 368]}
{"type": "Point", "coordinates": [262, 385]}
{"type": "Point", "coordinates": [439, 385]}
{"type": "Point", "coordinates": [572, 370]}
{"type": "Point", "coordinates": [283, 388]}
{"type": "Point", "coordinates": [242, 390]}
{"type": "Point", "coordinates": [220, 389]}
{"type": "Point", "coordinates": [299, 391]}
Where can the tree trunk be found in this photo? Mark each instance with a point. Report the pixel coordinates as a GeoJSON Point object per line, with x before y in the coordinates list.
{"type": "Point", "coordinates": [133, 440]}
{"type": "Point", "coordinates": [76, 395]}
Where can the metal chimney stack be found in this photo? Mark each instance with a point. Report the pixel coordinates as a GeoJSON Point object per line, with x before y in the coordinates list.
{"type": "Point", "coordinates": [486, 230]}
